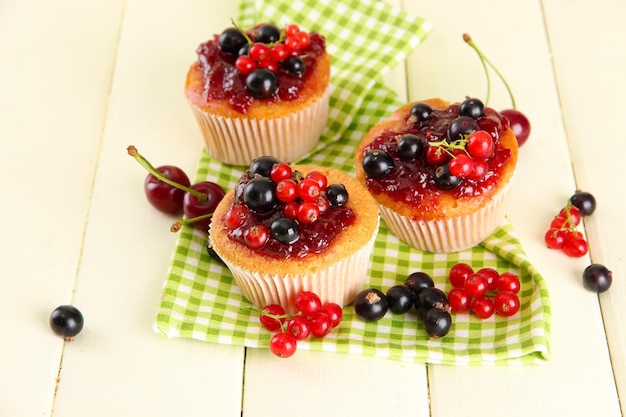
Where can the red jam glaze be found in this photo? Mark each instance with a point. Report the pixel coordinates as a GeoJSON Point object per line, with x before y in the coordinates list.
{"type": "Point", "coordinates": [314, 237]}
{"type": "Point", "coordinates": [409, 181]}
{"type": "Point", "coordinates": [223, 81]}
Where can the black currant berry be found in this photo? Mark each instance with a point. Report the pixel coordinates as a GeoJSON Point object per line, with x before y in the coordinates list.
{"type": "Point", "coordinates": [585, 202]}
{"type": "Point", "coordinates": [66, 321]}
{"type": "Point", "coordinates": [431, 298]}
{"type": "Point", "coordinates": [294, 65]}
{"type": "Point", "coordinates": [244, 50]}
{"type": "Point", "coordinates": [231, 40]}
{"type": "Point", "coordinates": [437, 322]}
{"type": "Point", "coordinates": [444, 180]}
{"type": "Point", "coordinates": [259, 195]}
{"type": "Point", "coordinates": [421, 112]}
{"type": "Point", "coordinates": [400, 299]}
{"type": "Point", "coordinates": [370, 305]}
{"type": "Point", "coordinates": [472, 107]}
{"type": "Point", "coordinates": [461, 127]}
{"type": "Point", "coordinates": [262, 83]}
{"type": "Point", "coordinates": [268, 33]}
{"type": "Point", "coordinates": [411, 147]}
{"type": "Point", "coordinates": [263, 166]}
{"type": "Point", "coordinates": [597, 278]}
{"type": "Point", "coordinates": [337, 195]}
{"type": "Point", "coordinates": [377, 163]}
{"type": "Point", "coordinates": [285, 230]}
{"type": "Point", "coordinates": [417, 281]}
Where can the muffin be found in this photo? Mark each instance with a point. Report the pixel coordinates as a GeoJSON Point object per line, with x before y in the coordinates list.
{"type": "Point", "coordinates": [263, 91]}
{"type": "Point", "coordinates": [440, 172]}
{"type": "Point", "coordinates": [286, 229]}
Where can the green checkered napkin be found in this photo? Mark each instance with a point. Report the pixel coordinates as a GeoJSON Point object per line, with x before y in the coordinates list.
{"type": "Point", "coordinates": [200, 299]}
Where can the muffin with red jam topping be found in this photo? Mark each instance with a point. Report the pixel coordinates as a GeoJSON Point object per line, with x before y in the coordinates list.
{"type": "Point", "coordinates": [440, 172]}
{"type": "Point", "coordinates": [262, 91]}
{"type": "Point", "coordinates": [286, 228]}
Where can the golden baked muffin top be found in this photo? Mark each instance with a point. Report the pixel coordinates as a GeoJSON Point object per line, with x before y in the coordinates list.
{"type": "Point", "coordinates": [342, 227]}
{"type": "Point", "coordinates": [263, 72]}
{"type": "Point", "coordinates": [432, 160]}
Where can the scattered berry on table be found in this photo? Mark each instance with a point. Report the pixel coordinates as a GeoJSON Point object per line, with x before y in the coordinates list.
{"type": "Point", "coordinates": [66, 321]}
{"type": "Point", "coordinates": [597, 278]}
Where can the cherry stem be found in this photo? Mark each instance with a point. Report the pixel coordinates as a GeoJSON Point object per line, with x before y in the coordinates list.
{"type": "Point", "coordinates": [132, 151]}
{"type": "Point", "coordinates": [178, 224]}
{"type": "Point", "coordinates": [483, 60]}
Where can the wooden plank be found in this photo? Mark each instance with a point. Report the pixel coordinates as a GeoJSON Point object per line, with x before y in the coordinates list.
{"type": "Point", "coordinates": [131, 370]}
{"type": "Point", "coordinates": [590, 69]}
{"type": "Point", "coordinates": [512, 34]}
{"type": "Point", "coordinates": [55, 73]}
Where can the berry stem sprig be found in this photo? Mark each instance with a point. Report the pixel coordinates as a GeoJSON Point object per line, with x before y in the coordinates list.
{"type": "Point", "coordinates": [132, 151]}
{"type": "Point", "coordinates": [485, 61]}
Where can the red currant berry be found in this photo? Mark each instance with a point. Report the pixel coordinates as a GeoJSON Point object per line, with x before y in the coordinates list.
{"type": "Point", "coordinates": [460, 301]}
{"type": "Point", "coordinates": [280, 171]}
{"type": "Point", "coordinates": [293, 43]}
{"type": "Point", "coordinates": [236, 216]}
{"type": "Point", "coordinates": [245, 65]}
{"type": "Point", "coordinates": [299, 326]}
{"type": "Point", "coordinates": [491, 275]}
{"type": "Point", "coordinates": [274, 318]}
{"type": "Point", "coordinates": [459, 273]}
{"type": "Point", "coordinates": [479, 170]}
{"type": "Point", "coordinates": [323, 204]}
{"type": "Point", "coordinates": [559, 222]}
{"type": "Point", "coordinates": [335, 313]}
{"type": "Point", "coordinates": [436, 156]}
{"type": "Point", "coordinates": [283, 344]}
{"type": "Point", "coordinates": [256, 236]}
{"type": "Point", "coordinates": [508, 281]}
{"type": "Point", "coordinates": [555, 238]}
{"type": "Point", "coordinates": [483, 307]}
{"type": "Point", "coordinates": [291, 210]}
{"type": "Point", "coordinates": [279, 52]}
{"type": "Point", "coordinates": [309, 189]}
{"type": "Point", "coordinates": [575, 248]}
{"type": "Point", "coordinates": [461, 166]}
{"type": "Point", "coordinates": [572, 214]}
{"type": "Point", "coordinates": [308, 212]}
{"type": "Point", "coordinates": [475, 285]}
{"type": "Point", "coordinates": [286, 190]}
{"type": "Point", "coordinates": [291, 30]}
{"type": "Point", "coordinates": [269, 64]}
{"type": "Point", "coordinates": [506, 303]}
{"type": "Point", "coordinates": [305, 39]}
{"type": "Point", "coordinates": [320, 324]}
{"type": "Point", "coordinates": [480, 144]}
{"type": "Point", "coordinates": [319, 177]}
{"type": "Point", "coordinates": [259, 51]}
{"type": "Point", "coordinates": [308, 303]}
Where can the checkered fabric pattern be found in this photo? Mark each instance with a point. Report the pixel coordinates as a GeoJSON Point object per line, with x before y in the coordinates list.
{"type": "Point", "coordinates": [200, 299]}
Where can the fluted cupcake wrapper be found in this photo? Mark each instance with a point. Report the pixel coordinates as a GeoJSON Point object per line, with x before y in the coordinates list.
{"type": "Point", "coordinates": [338, 283]}
{"type": "Point", "coordinates": [450, 234]}
{"type": "Point", "coordinates": [238, 140]}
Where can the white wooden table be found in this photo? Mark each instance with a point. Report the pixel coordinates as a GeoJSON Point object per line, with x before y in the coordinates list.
{"type": "Point", "coordinates": [81, 80]}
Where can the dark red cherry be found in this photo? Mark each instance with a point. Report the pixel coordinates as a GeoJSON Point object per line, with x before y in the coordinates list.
{"type": "Point", "coordinates": [520, 125]}
{"type": "Point", "coordinates": [162, 196]}
{"type": "Point", "coordinates": [193, 207]}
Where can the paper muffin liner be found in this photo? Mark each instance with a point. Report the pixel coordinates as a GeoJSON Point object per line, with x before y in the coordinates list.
{"type": "Point", "coordinates": [451, 234]}
{"type": "Point", "coordinates": [338, 283]}
{"type": "Point", "coordinates": [238, 140]}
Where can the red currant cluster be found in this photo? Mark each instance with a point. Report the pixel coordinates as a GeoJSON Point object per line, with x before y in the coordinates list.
{"type": "Point", "coordinates": [169, 190]}
{"type": "Point", "coordinates": [270, 55]}
{"type": "Point", "coordinates": [466, 157]}
{"type": "Point", "coordinates": [313, 318]}
{"type": "Point", "coordinates": [275, 186]}
{"type": "Point", "coordinates": [483, 292]}
{"type": "Point", "coordinates": [563, 233]}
